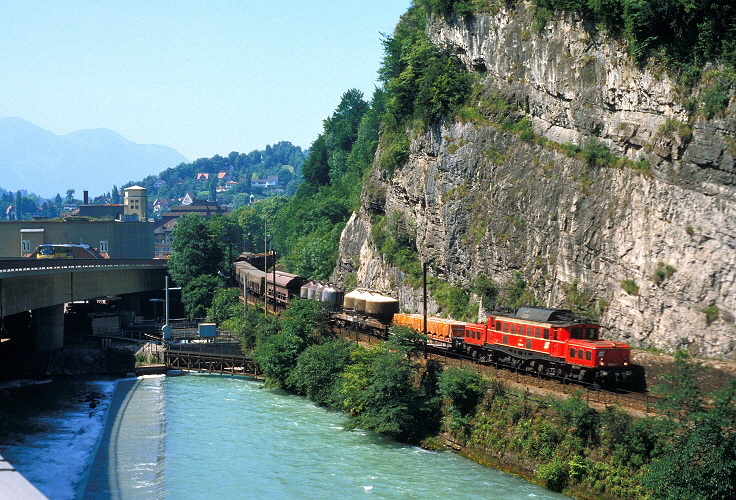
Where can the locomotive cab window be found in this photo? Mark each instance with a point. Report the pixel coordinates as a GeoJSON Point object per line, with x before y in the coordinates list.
{"type": "Point", "coordinates": [576, 333]}
{"type": "Point", "coordinates": [572, 352]}
{"type": "Point", "coordinates": [580, 354]}
{"type": "Point", "coordinates": [546, 333]}
{"type": "Point", "coordinates": [588, 356]}
{"type": "Point", "coordinates": [591, 333]}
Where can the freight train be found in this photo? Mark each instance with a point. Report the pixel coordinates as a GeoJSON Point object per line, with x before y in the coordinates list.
{"type": "Point", "coordinates": [550, 342]}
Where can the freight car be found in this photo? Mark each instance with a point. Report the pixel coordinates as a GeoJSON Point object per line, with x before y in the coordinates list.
{"type": "Point", "coordinates": [276, 287]}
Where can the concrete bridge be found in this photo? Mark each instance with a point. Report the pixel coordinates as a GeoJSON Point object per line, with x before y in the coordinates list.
{"type": "Point", "coordinates": [43, 286]}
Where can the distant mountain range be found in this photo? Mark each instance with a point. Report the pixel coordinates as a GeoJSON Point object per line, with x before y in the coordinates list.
{"type": "Point", "coordinates": [41, 162]}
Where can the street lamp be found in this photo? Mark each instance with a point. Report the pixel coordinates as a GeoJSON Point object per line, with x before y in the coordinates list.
{"type": "Point", "coordinates": [156, 301]}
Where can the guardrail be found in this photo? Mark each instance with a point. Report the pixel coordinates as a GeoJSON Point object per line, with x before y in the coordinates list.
{"type": "Point", "coordinates": [11, 267]}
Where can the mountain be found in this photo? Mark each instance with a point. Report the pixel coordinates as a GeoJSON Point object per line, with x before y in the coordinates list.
{"type": "Point", "coordinates": [42, 162]}
{"type": "Point", "coordinates": [579, 180]}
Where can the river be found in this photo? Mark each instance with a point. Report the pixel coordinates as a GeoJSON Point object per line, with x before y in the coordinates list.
{"type": "Point", "coordinates": [210, 436]}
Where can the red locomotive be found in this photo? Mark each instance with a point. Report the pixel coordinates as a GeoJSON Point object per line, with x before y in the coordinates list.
{"type": "Point", "coordinates": [548, 341]}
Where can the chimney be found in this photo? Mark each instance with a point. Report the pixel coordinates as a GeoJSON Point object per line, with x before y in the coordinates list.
{"type": "Point", "coordinates": [86, 197]}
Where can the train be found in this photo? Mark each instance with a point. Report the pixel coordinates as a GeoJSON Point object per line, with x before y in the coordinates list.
{"type": "Point", "coordinates": [66, 251]}
{"type": "Point", "coordinates": [546, 341]}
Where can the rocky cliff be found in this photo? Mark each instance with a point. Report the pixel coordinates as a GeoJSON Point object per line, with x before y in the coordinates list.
{"type": "Point", "coordinates": [654, 248]}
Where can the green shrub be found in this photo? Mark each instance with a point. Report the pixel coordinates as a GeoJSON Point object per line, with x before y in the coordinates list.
{"type": "Point", "coordinates": [316, 374]}
{"type": "Point", "coordinates": [711, 314]}
{"type": "Point", "coordinates": [716, 96]}
{"type": "Point", "coordinates": [462, 387]}
{"type": "Point", "coordinates": [662, 273]}
{"type": "Point", "coordinates": [630, 287]}
{"type": "Point", "coordinates": [555, 474]}
{"type": "Point", "coordinates": [597, 154]}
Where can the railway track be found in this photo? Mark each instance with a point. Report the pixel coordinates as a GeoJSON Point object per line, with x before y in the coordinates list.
{"type": "Point", "coordinates": [636, 402]}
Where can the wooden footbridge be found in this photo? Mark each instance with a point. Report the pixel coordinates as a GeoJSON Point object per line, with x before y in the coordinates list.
{"type": "Point", "coordinates": [223, 358]}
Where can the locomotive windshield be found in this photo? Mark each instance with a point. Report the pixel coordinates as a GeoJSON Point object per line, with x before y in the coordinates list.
{"type": "Point", "coordinates": [578, 332]}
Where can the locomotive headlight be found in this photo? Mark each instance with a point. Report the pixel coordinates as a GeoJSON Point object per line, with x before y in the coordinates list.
{"type": "Point", "coordinates": [626, 363]}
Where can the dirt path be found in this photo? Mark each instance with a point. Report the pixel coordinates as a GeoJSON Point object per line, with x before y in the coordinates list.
{"type": "Point", "coordinates": [716, 373]}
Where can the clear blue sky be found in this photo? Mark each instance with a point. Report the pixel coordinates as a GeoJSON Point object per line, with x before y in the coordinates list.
{"type": "Point", "coordinates": [203, 77]}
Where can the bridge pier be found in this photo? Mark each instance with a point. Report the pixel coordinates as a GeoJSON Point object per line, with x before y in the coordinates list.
{"type": "Point", "coordinates": [48, 327]}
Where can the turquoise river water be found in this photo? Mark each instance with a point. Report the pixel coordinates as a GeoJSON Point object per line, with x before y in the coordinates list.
{"type": "Point", "coordinates": [208, 436]}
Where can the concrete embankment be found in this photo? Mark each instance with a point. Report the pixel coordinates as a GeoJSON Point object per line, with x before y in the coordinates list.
{"type": "Point", "coordinates": [128, 460]}
{"type": "Point", "coordinates": [14, 486]}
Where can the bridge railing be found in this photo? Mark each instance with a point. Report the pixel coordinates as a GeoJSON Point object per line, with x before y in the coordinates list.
{"type": "Point", "coordinates": [10, 266]}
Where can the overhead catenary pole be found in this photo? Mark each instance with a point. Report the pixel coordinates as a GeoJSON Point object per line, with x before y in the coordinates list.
{"type": "Point", "coordinates": [166, 330]}
{"type": "Point", "coordinates": [424, 306]}
{"type": "Point", "coordinates": [265, 269]}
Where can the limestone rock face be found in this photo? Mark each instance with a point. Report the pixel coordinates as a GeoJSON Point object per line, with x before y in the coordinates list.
{"type": "Point", "coordinates": [485, 201]}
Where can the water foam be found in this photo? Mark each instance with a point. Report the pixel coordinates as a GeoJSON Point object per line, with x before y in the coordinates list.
{"type": "Point", "coordinates": [55, 460]}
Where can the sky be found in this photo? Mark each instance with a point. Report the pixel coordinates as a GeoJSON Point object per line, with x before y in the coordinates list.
{"type": "Point", "coordinates": [203, 77]}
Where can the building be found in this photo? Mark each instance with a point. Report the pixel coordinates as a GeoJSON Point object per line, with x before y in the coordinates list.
{"type": "Point", "coordinates": [160, 205]}
{"type": "Point", "coordinates": [134, 208]}
{"type": "Point", "coordinates": [164, 230]}
{"type": "Point", "coordinates": [116, 238]}
{"type": "Point", "coordinates": [270, 181]}
{"type": "Point", "coordinates": [162, 238]}
{"type": "Point", "coordinates": [189, 198]}
{"type": "Point", "coordinates": [107, 211]}
{"type": "Point", "coordinates": [136, 202]}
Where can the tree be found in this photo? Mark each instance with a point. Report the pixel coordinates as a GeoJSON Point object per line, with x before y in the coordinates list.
{"type": "Point", "coordinates": [228, 235]}
{"type": "Point", "coordinates": [699, 455]}
{"type": "Point", "coordinates": [194, 250]}
{"type": "Point", "coordinates": [390, 402]}
{"type": "Point", "coordinates": [316, 170]}
{"type": "Point", "coordinates": [115, 195]}
{"type": "Point", "coordinates": [225, 305]}
{"type": "Point", "coordinates": [197, 294]}
{"type": "Point", "coordinates": [304, 318]}
{"type": "Point", "coordinates": [277, 356]}
{"type": "Point", "coordinates": [18, 206]}
{"type": "Point", "coordinates": [70, 196]}
{"type": "Point", "coordinates": [463, 388]}
{"type": "Point", "coordinates": [317, 371]}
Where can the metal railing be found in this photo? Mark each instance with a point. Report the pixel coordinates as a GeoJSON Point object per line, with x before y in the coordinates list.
{"type": "Point", "coordinates": [11, 267]}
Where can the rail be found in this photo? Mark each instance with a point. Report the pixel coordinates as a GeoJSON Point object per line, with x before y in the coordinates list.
{"type": "Point", "coordinates": [593, 394]}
